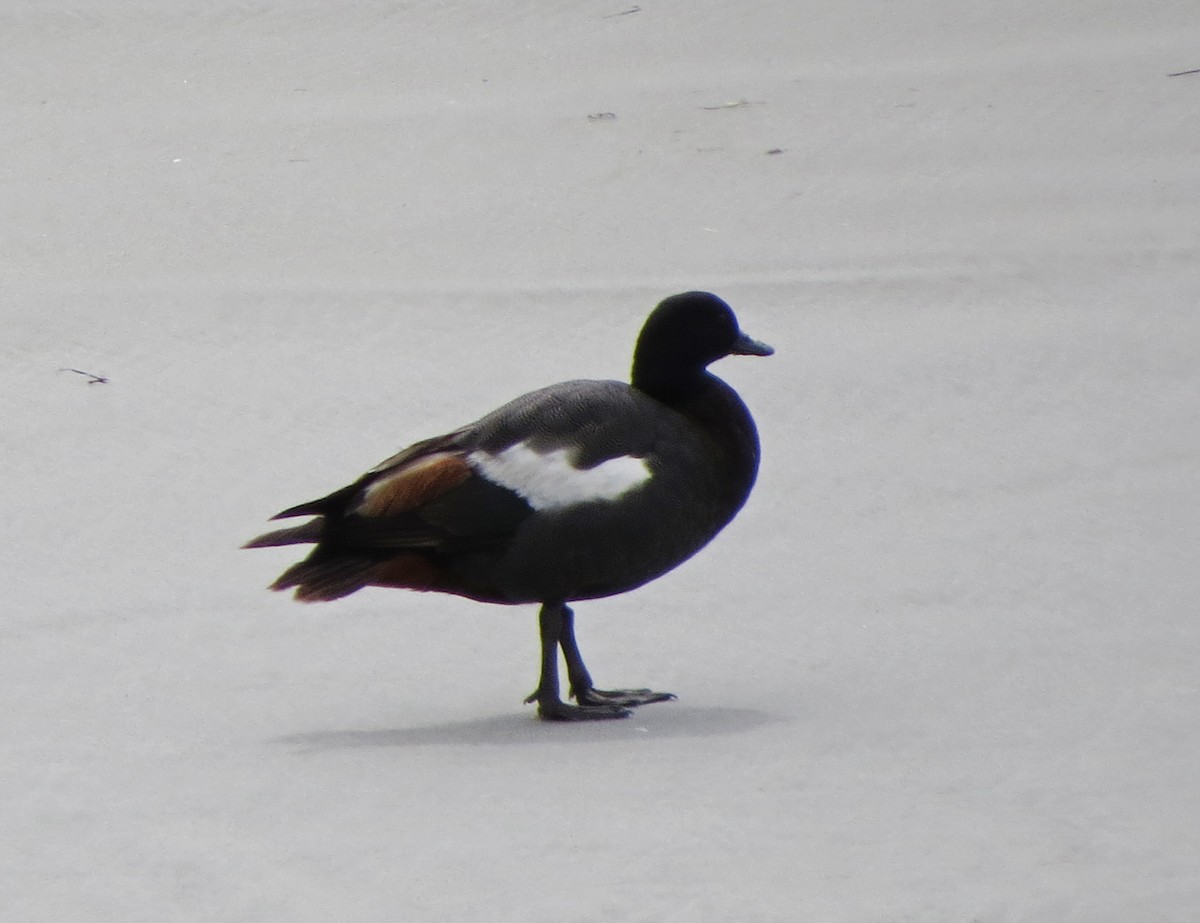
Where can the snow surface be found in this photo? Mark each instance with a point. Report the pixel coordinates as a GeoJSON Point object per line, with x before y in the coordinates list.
{"type": "Point", "coordinates": [944, 667]}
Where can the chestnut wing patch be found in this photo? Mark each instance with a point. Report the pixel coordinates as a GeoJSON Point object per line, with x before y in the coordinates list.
{"type": "Point", "coordinates": [436, 502]}
{"type": "Point", "coordinates": [408, 487]}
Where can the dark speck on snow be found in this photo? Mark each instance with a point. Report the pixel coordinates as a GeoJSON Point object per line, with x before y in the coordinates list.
{"type": "Point", "coordinates": [580, 490]}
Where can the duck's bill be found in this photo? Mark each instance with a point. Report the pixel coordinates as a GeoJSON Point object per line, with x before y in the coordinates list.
{"type": "Point", "coordinates": [746, 346]}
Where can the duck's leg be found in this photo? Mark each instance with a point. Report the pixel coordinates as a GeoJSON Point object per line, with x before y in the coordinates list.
{"type": "Point", "coordinates": [582, 689]}
{"type": "Point", "coordinates": [554, 621]}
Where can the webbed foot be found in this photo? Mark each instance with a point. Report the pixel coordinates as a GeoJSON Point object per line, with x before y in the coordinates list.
{"type": "Point", "coordinates": [622, 698]}
{"type": "Point", "coordinates": [552, 708]}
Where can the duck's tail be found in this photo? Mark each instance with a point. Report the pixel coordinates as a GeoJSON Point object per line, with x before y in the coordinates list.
{"type": "Point", "coordinates": [321, 576]}
{"type": "Point", "coordinates": [307, 534]}
{"type": "Point", "coordinates": [319, 579]}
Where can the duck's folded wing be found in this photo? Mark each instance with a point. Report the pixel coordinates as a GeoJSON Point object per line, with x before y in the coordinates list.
{"type": "Point", "coordinates": [572, 442]}
{"type": "Point", "coordinates": [433, 499]}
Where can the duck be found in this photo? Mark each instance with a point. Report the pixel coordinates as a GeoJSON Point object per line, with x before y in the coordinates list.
{"type": "Point", "coordinates": [581, 490]}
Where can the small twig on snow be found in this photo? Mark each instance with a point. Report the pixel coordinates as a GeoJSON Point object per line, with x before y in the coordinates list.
{"type": "Point", "coordinates": [92, 379]}
{"type": "Point", "coordinates": [1194, 70]}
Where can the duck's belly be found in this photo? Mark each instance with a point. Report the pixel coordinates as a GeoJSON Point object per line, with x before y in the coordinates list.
{"type": "Point", "coordinates": [603, 548]}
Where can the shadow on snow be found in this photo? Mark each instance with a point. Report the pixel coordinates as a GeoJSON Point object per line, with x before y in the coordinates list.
{"type": "Point", "coordinates": [671, 722]}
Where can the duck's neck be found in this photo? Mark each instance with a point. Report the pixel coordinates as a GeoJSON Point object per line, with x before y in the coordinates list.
{"type": "Point", "coordinates": [671, 383]}
{"type": "Point", "coordinates": [716, 410]}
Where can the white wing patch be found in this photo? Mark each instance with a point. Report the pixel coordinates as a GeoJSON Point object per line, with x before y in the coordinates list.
{"type": "Point", "coordinates": [549, 481]}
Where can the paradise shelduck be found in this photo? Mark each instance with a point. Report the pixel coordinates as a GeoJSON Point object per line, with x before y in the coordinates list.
{"type": "Point", "coordinates": [580, 490]}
